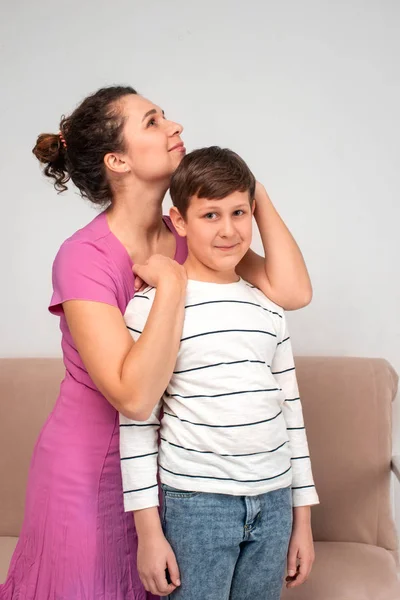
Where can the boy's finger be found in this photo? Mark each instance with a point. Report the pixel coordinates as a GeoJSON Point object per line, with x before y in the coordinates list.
{"type": "Point", "coordinates": [292, 563]}
{"type": "Point", "coordinates": [173, 570]}
{"type": "Point", "coordinates": [171, 588]}
{"type": "Point", "coordinates": [305, 568]}
{"type": "Point", "coordinates": [146, 583]}
{"type": "Point", "coordinates": [301, 576]}
{"type": "Point", "coordinates": [161, 584]}
{"type": "Point", "coordinates": [291, 580]}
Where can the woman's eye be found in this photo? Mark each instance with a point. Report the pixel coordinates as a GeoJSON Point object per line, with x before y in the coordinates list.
{"type": "Point", "coordinates": [151, 122]}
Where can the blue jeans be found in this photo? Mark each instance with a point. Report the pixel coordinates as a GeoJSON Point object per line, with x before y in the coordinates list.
{"type": "Point", "coordinates": [228, 547]}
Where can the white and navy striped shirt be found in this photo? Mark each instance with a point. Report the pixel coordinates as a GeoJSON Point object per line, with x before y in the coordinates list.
{"type": "Point", "coordinates": [232, 419]}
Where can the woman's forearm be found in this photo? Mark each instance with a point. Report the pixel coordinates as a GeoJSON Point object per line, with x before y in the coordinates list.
{"type": "Point", "coordinates": [149, 365]}
{"type": "Point", "coordinates": [131, 375]}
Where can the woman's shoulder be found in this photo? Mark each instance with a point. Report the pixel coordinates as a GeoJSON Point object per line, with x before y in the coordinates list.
{"type": "Point", "coordinates": [91, 245]}
{"type": "Point", "coordinates": [94, 232]}
{"type": "Point", "coordinates": [87, 267]}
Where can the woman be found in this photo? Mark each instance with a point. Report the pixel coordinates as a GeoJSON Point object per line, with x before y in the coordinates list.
{"type": "Point", "coordinates": [120, 151]}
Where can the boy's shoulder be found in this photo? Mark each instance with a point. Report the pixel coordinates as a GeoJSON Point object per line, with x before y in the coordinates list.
{"type": "Point", "coordinates": [263, 300]}
{"type": "Point", "coordinates": [198, 293]}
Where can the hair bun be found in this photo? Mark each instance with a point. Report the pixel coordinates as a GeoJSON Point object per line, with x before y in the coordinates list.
{"type": "Point", "coordinates": [48, 148]}
{"type": "Point", "coordinates": [50, 151]}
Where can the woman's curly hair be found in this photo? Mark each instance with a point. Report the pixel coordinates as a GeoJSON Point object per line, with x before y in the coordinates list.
{"type": "Point", "coordinates": [77, 152]}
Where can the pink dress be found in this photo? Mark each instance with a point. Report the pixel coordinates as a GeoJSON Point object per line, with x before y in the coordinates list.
{"type": "Point", "coordinates": [76, 542]}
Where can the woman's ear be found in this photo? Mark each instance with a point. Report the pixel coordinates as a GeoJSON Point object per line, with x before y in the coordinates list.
{"type": "Point", "coordinates": [115, 163]}
{"type": "Point", "coordinates": [178, 221]}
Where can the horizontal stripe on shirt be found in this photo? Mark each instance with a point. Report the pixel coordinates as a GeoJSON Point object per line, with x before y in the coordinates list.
{"type": "Point", "coordinates": [231, 413]}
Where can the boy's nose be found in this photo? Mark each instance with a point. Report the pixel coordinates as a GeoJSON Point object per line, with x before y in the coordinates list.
{"type": "Point", "coordinates": [227, 229]}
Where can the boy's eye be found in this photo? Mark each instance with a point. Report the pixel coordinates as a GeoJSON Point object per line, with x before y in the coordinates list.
{"type": "Point", "coordinates": [239, 213]}
{"type": "Point", "coordinates": [210, 216]}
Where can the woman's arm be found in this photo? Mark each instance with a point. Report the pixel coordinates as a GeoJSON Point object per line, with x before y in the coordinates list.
{"type": "Point", "coordinates": [282, 275]}
{"type": "Point", "coordinates": [132, 375]}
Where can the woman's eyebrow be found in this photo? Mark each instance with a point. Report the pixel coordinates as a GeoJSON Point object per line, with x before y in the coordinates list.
{"type": "Point", "coordinates": [152, 111]}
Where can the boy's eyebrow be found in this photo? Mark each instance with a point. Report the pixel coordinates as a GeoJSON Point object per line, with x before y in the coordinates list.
{"type": "Point", "coordinates": [152, 111]}
{"type": "Point", "coordinates": [209, 207]}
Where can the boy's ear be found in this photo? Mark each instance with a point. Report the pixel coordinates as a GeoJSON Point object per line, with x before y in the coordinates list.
{"type": "Point", "coordinates": [178, 221]}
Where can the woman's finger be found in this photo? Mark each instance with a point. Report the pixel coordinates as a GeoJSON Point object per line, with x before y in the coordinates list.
{"type": "Point", "coordinates": [138, 284]}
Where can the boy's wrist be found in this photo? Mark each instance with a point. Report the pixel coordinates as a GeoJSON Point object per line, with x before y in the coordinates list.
{"type": "Point", "coordinates": [147, 522]}
{"type": "Point", "coordinates": [302, 516]}
{"type": "Point", "coordinates": [262, 199]}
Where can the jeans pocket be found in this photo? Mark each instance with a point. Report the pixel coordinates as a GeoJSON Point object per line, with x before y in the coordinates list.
{"type": "Point", "coordinates": [170, 492]}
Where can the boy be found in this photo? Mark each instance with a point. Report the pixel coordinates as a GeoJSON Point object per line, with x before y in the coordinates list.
{"type": "Point", "coordinates": [233, 458]}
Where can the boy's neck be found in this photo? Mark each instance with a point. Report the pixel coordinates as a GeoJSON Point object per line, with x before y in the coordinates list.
{"type": "Point", "coordinates": [200, 272]}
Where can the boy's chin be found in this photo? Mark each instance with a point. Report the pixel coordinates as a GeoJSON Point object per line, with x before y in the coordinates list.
{"type": "Point", "coordinates": [224, 266]}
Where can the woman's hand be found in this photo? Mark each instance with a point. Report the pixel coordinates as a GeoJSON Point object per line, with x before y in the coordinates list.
{"type": "Point", "coordinates": [155, 555]}
{"type": "Point", "coordinates": [158, 270]}
{"type": "Point", "coordinates": [300, 555]}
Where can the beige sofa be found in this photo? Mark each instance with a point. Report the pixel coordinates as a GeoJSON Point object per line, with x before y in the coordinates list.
{"type": "Point", "coordinates": [347, 406]}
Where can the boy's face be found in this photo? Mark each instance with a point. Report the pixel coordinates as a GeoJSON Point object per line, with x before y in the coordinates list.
{"type": "Point", "coordinates": [218, 232]}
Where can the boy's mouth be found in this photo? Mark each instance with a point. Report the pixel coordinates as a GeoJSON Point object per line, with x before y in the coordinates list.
{"type": "Point", "coordinates": [227, 248]}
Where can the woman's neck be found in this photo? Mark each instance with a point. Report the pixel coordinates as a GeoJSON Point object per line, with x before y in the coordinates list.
{"type": "Point", "coordinates": [135, 218]}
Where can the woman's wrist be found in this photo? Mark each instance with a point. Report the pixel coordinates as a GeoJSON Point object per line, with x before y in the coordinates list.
{"type": "Point", "coordinates": [172, 289]}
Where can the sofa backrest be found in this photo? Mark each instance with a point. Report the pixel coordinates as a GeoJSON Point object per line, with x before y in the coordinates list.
{"type": "Point", "coordinates": [28, 390]}
{"type": "Point", "coordinates": [347, 408]}
{"type": "Point", "coordinates": [347, 404]}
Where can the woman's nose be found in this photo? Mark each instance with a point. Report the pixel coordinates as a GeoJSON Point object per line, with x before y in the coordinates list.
{"type": "Point", "coordinates": [175, 128]}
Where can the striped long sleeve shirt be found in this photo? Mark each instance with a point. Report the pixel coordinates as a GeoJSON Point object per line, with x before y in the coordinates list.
{"type": "Point", "coordinates": [231, 420]}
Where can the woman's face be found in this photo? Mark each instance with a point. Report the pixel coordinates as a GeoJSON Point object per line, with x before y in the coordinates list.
{"type": "Point", "coordinates": [154, 148]}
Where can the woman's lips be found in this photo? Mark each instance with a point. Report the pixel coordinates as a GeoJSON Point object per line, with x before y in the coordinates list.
{"type": "Point", "coordinates": [179, 147]}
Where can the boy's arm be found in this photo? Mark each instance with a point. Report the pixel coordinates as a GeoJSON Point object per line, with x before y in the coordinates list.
{"type": "Point", "coordinates": [139, 469]}
{"type": "Point", "coordinates": [283, 370]}
{"type": "Point", "coordinates": [138, 446]}
{"type": "Point", "coordinates": [301, 548]}
{"type": "Point", "coordinates": [282, 275]}
{"type": "Point", "coordinates": [155, 555]}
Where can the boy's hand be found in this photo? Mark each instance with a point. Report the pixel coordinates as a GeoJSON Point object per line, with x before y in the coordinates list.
{"type": "Point", "coordinates": [155, 555]}
{"type": "Point", "coordinates": [300, 555]}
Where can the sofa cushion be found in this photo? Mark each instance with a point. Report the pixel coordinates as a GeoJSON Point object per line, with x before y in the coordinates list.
{"type": "Point", "coordinates": [7, 545]}
{"type": "Point", "coordinates": [349, 571]}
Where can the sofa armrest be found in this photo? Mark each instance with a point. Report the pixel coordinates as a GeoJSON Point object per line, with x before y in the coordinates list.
{"type": "Point", "coordinates": [396, 466]}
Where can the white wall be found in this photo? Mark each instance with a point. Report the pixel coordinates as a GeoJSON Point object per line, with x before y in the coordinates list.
{"type": "Point", "coordinates": [308, 92]}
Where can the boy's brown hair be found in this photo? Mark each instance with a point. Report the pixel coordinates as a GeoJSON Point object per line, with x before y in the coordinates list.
{"type": "Point", "coordinates": [212, 173]}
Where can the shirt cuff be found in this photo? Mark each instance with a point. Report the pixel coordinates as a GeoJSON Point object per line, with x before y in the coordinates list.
{"type": "Point", "coordinates": [306, 496]}
{"type": "Point", "coordinates": [140, 500]}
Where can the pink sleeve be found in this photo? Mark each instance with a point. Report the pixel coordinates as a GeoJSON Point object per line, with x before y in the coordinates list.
{"type": "Point", "coordinates": [82, 271]}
